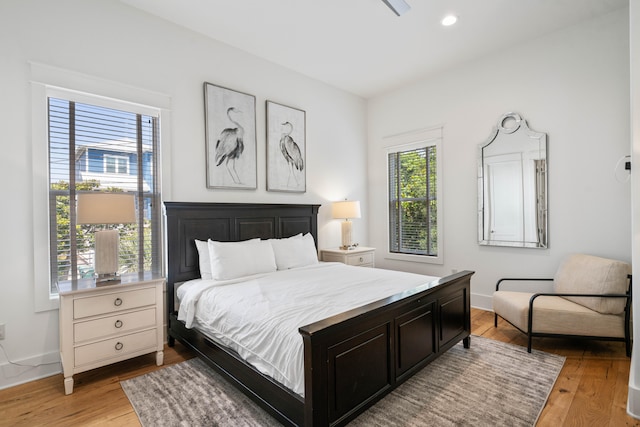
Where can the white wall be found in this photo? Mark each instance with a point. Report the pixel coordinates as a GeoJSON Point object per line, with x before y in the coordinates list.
{"type": "Point", "coordinates": [108, 40]}
{"type": "Point", "coordinates": [633, 402]}
{"type": "Point", "coordinates": [573, 85]}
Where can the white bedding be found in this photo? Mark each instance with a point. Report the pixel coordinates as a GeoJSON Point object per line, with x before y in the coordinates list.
{"type": "Point", "coordinates": [259, 316]}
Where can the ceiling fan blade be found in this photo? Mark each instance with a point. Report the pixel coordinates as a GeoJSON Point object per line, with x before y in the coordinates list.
{"type": "Point", "coordinates": [398, 6]}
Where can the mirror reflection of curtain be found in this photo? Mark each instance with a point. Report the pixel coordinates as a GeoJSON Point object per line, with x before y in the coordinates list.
{"type": "Point", "coordinates": [541, 200]}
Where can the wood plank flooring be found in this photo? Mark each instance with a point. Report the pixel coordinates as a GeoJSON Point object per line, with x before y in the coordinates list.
{"type": "Point", "coordinates": [590, 391]}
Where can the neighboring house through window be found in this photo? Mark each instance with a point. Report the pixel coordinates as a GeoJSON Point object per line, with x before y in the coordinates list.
{"type": "Point", "coordinates": [414, 183]}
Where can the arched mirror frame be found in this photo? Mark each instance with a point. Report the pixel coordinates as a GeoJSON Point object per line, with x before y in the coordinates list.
{"type": "Point", "coordinates": [526, 152]}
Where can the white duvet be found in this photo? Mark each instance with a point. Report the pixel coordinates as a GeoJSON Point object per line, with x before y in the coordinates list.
{"type": "Point", "coordinates": [259, 316]}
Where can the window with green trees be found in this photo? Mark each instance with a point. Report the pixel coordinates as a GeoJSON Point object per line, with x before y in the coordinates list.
{"type": "Point", "coordinates": [413, 219]}
{"type": "Point", "coordinates": [95, 148]}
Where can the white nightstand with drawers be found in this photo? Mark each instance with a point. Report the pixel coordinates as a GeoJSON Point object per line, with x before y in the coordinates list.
{"type": "Point", "coordinates": [360, 256]}
{"type": "Point", "coordinates": [106, 323]}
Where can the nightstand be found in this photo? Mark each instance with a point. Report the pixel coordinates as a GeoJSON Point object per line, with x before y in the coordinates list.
{"type": "Point", "coordinates": [104, 323]}
{"type": "Point", "coordinates": [360, 256]}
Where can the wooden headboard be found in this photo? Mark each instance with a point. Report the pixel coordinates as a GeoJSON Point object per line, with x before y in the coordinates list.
{"type": "Point", "coordinates": [227, 222]}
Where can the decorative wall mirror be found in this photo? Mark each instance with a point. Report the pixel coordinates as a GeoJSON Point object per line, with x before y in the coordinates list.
{"type": "Point", "coordinates": [512, 186]}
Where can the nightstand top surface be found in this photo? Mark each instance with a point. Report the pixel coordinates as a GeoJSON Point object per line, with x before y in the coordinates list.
{"type": "Point", "coordinates": [85, 285]}
{"type": "Point", "coordinates": [355, 250]}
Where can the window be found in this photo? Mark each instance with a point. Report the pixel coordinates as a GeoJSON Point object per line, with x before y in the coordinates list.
{"type": "Point", "coordinates": [53, 82]}
{"type": "Point", "coordinates": [116, 164]}
{"type": "Point", "coordinates": [97, 148]}
{"type": "Point", "coordinates": [414, 201]}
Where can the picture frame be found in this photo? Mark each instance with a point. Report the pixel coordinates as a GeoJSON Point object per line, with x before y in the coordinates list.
{"type": "Point", "coordinates": [286, 148]}
{"type": "Point", "coordinates": [230, 133]}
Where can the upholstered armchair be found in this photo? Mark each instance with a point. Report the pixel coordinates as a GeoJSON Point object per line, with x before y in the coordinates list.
{"type": "Point", "coordinates": [591, 299]}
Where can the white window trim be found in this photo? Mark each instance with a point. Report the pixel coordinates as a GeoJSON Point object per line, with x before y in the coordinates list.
{"type": "Point", "coordinates": [409, 141]}
{"type": "Point", "coordinates": [48, 81]}
{"type": "Point", "coordinates": [117, 164]}
{"type": "Point", "coordinates": [85, 164]}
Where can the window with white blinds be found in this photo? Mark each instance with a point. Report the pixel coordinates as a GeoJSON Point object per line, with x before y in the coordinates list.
{"type": "Point", "coordinates": [413, 199]}
{"type": "Point", "coordinates": [97, 149]}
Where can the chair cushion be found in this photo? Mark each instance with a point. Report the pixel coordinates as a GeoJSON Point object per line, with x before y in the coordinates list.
{"type": "Point", "coordinates": [556, 315]}
{"type": "Point", "coordinates": [587, 274]}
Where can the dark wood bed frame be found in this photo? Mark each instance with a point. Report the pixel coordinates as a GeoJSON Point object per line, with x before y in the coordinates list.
{"type": "Point", "coordinates": [351, 360]}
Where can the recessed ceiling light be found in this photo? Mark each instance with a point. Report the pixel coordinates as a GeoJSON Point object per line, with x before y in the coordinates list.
{"type": "Point", "coordinates": [449, 20]}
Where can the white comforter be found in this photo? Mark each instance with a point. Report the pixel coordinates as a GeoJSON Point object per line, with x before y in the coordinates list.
{"type": "Point", "coordinates": [259, 316]}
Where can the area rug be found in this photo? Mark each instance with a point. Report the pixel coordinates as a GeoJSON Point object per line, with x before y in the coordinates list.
{"type": "Point", "coordinates": [490, 384]}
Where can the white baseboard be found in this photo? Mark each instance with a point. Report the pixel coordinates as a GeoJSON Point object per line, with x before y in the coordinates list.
{"type": "Point", "coordinates": [41, 366]}
{"type": "Point", "coordinates": [481, 301]}
{"type": "Point", "coordinates": [633, 402]}
{"type": "Point", "coordinates": [633, 398]}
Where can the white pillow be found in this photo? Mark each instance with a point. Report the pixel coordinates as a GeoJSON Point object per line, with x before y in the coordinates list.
{"type": "Point", "coordinates": [204, 259]}
{"type": "Point", "coordinates": [230, 260]}
{"type": "Point", "coordinates": [296, 251]}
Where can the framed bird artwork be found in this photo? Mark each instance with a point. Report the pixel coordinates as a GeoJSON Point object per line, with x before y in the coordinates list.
{"type": "Point", "coordinates": [286, 148]}
{"type": "Point", "coordinates": [230, 132]}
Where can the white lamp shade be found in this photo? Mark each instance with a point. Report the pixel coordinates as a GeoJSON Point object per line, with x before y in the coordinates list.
{"type": "Point", "coordinates": [346, 209]}
{"type": "Point", "coordinates": [106, 208]}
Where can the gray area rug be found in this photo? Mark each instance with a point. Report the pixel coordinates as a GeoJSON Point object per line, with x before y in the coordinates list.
{"type": "Point", "coordinates": [490, 384]}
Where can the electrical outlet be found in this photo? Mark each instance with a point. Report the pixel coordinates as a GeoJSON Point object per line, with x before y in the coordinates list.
{"type": "Point", "coordinates": [2, 331]}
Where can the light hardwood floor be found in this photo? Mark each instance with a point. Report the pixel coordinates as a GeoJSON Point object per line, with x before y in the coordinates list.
{"type": "Point", "coordinates": [590, 391]}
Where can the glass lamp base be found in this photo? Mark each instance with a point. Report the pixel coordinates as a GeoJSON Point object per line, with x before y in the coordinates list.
{"type": "Point", "coordinates": [102, 278]}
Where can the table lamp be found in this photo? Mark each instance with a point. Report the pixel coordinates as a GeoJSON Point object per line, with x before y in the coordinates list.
{"type": "Point", "coordinates": [106, 208]}
{"type": "Point", "coordinates": [346, 209]}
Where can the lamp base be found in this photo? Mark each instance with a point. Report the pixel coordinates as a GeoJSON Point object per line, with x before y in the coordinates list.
{"type": "Point", "coordinates": [346, 234]}
{"type": "Point", "coordinates": [109, 277]}
{"type": "Point", "coordinates": [349, 247]}
{"type": "Point", "coordinates": [106, 255]}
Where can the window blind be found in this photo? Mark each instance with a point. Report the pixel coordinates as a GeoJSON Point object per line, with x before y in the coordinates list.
{"type": "Point", "coordinates": [93, 148]}
{"type": "Point", "coordinates": [413, 227]}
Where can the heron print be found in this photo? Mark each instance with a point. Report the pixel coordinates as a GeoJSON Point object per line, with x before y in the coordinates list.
{"type": "Point", "coordinates": [291, 152]}
{"type": "Point", "coordinates": [230, 146]}
{"type": "Point", "coordinates": [286, 148]}
{"type": "Point", "coordinates": [231, 138]}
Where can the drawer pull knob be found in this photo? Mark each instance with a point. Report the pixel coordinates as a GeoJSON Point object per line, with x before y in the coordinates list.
{"type": "Point", "coordinates": [117, 302]}
{"type": "Point", "coordinates": [119, 346]}
{"type": "Point", "coordinates": [361, 259]}
{"type": "Point", "coordinates": [118, 324]}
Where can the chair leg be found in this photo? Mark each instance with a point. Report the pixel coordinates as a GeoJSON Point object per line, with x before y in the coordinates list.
{"type": "Point", "coordinates": [627, 345]}
{"type": "Point", "coordinates": [495, 320]}
{"type": "Point", "coordinates": [529, 339]}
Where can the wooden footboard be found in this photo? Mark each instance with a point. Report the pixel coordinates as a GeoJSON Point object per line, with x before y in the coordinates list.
{"type": "Point", "coordinates": [355, 358]}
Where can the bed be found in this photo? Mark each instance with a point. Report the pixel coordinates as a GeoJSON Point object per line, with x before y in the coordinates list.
{"type": "Point", "coordinates": [351, 359]}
